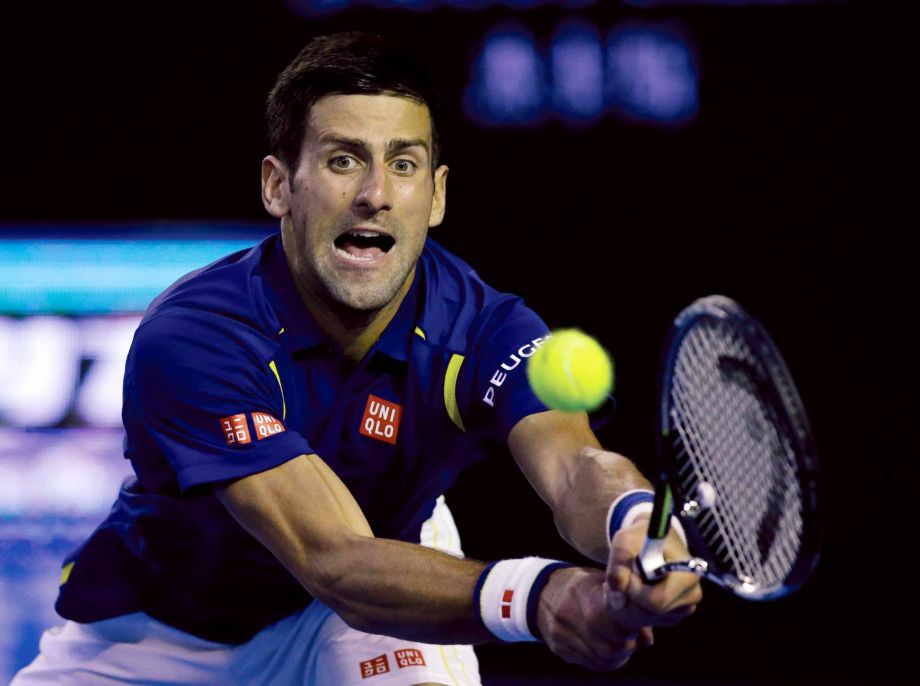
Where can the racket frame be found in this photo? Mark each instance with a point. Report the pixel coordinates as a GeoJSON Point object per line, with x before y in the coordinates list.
{"type": "Point", "coordinates": [651, 563]}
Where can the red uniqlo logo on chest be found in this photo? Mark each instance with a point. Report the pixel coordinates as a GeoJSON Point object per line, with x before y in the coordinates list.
{"type": "Point", "coordinates": [381, 419]}
{"type": "Point", "coordinates": [236, 430]}
{"type": "Point", "coordinates": [266, 425]}
{"type": "Point", "coordinates": [375, 666]}
{"type": "Point", "coordinates": [409, 657]}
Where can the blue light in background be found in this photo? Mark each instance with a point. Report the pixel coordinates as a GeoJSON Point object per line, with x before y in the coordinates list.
{"type": "Point", "coordinates": [309, 8]}
{"type": "Point", "coordinates": [523, 4]}
{"type": "Point", "coordinates": [651, 75]}
{"type": "Point", "coordinates": [644, 73]}
{"type": "Point", "coordinates": [78, 276]}
{"type": "Point", "coordinates": [507, 86]}
{"type": "Point", "coordinates": [578, 72]}
{"type": "Point", "coordinates": [412, 4]}
{"type": "Point", "coordinates": [468, 5]}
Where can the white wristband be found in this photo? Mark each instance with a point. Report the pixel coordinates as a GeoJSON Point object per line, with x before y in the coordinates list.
{"type": "Point", "coordinates": [629, 506]}
{"type": "Point", "coordinates": [507, 595]}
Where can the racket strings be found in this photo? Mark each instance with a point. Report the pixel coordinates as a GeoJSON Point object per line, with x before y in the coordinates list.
{"type": "Point", "coordinates": [729, 439]}
{"type": "Point", "coordinates": [738, 524]}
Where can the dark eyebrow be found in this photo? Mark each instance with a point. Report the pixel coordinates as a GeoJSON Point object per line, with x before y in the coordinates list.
{"type": "Point", "coordinates": [394, 146]}
{"type": "Point", "coordinates": [344, 141]}
{"type": "Point", "coordinates": [398, 144]}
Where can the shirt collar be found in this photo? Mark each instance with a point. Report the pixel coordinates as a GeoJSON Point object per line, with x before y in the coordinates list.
{"type": "Point", "coordinates": [300, 327]}
{"type": "Point", "coordinates": [294, 319]}
{"type": "Point", "coordinates": [397, 337]}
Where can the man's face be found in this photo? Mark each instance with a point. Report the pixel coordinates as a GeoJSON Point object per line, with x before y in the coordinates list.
{"type": "Point", "coordinates": [358, 208]}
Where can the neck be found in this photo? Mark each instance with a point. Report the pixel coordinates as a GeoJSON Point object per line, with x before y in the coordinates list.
{"type": "Point", "coordinates": [355, 331]}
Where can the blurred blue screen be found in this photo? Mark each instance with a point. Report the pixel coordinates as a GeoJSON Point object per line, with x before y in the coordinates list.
{"type": "Point", "coordinates": [70, 301]}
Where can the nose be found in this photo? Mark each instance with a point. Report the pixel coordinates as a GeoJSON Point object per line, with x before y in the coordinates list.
{"type": "Point", "coordinates": [374, 193]}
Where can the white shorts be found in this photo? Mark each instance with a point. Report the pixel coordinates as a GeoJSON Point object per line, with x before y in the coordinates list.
{"type": "Point", "coordinates": [309, 648]}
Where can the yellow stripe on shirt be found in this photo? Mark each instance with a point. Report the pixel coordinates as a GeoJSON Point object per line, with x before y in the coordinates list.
{"type": "Point", "coordinates": [277, 376]}
{"type": "Point", "coordinates": [450, 390]}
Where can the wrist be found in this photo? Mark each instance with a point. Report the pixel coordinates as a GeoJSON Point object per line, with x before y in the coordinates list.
{"type": "Point", "coordinates": [507, 596]}
{"type": "Point", "coordinates": [632, 507]}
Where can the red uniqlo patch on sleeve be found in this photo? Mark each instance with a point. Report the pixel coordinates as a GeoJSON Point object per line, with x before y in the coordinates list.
{"type": "Point", "coordinates": [409, 657]}
{"type": "Point", "coordinates": [236, 430]}
{"type": "Point", "coordinates": [375, 666]}
{"type": "Point", "coordinates": [381, 419]}
{"type": "Point", "coordinates": [266, 425]}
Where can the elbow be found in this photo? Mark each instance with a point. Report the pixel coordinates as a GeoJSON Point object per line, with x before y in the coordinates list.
{"type": "Point", "coordinates": [564, 519]}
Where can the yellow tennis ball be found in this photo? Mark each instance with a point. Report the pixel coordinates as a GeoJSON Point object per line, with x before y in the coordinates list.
{"type": "Point", "coordinates": [570, 372]}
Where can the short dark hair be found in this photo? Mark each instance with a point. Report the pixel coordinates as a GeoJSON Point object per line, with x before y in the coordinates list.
{"type": "Point", "coordinates": [343, 64]}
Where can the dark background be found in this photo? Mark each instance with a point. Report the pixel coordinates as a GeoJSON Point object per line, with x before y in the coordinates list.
{"type": "Point", "coordinates": [152, 110]}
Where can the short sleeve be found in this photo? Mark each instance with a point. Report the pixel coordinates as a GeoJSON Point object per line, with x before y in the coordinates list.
{"type": "Point", "coordinates": [493, 390]}
{"type": "Point", "coordinates": [201, 398]}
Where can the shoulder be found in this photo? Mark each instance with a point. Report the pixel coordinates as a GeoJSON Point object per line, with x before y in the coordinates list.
{"type": "Point", "coordinates": [460, 308]}
{"type": "Point", "coordinates": [216, 315]}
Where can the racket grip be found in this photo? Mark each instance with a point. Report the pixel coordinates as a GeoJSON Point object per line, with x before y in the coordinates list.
{"type": "Point", "coordinates": [650, 561]}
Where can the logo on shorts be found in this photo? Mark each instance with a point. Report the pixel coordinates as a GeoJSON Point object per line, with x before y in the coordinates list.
{"type": "Point", "coordinates": [381, 419]}
{"type": "Point", "coordinates": [506, 603]}
{"type": "Point", "coordinates": [266, 425]}
{"type": "Point", "coordinates": [236, 430]}
{"type": "Point", "coordinates": [375, 666]}
{"type": "Point", "coordinates": [409, 657]}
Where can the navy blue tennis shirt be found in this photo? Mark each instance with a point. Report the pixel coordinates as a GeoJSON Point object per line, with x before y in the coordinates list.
{"type": "Point", "coordinates": [229, 375]}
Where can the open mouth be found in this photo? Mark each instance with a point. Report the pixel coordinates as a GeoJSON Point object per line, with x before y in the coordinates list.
{"type": "Point", "coordinates": [363, 244]}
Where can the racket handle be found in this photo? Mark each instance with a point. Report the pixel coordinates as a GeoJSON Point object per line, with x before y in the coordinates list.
{"type": "Point", "coordinates": [651, 560]}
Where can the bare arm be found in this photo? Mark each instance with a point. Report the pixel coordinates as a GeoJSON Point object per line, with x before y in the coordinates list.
{"type": "Point", "coordinates": [304, 514]}
{"type": "Point", "coordinates": [306, 517]}
{"type": "Point", "coordinates": [563, 461]}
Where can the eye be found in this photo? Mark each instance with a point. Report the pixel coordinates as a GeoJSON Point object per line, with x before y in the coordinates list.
{"type": "Point", "coordinates": [343, 163]}
{"type": "Point", "coordinates": [404, 166]}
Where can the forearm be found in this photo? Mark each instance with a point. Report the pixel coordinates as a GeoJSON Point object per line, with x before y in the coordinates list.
{"type": "Point", "coordinates": [306, 517]}
{"type": "Point", "coordinates": [399, 589]}
{"type": "Point", "coordinates": [562, 459]}
{"type": "Point", "coordinates": [593, 479]}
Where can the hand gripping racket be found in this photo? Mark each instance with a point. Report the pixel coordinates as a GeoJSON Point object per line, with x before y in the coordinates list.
{"type": "Point", "coordinates": [736, 462]}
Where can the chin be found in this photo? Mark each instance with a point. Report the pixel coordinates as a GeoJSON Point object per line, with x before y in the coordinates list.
{"type": "Point", "coordinates": [364, 299]}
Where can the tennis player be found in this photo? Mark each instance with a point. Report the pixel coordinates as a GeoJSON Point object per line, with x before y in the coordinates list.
{"type": "Point", "coordinates": [294, 413]}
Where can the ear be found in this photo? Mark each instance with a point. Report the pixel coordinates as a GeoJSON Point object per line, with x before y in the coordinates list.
{"type": "Point", "coordinates": [439, 201]}
{"type": "Point", "coordinates": [275, 187]}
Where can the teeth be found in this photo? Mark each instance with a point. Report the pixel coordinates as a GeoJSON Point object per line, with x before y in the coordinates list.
{"type": "Point", "coordinates": [364, 234]}
{"type": "Point", "coordinates": [356, 258]}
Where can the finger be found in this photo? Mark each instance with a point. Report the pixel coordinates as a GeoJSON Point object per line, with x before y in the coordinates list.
{"type": "Point", "coordinates": [624, 548]}
{"type": "Point", "coordinates": [619, 571]}
{"type": "Point", "coordinates": [637, 618]}
{"type": "Point", "coordinates": [646, 637]}
{"type": "Point", "coordinates": [610, 656]}
{"type": "Point", "coordinates": [608, 664]}
{"type": "Point", "coordinates": [664, 604]}
{"type": "Point", "coordinates": [676, 590]}
{"type": "Point", "coordinates": [679, 589]}
{"type": "Point", "coordinates": [590, 649]}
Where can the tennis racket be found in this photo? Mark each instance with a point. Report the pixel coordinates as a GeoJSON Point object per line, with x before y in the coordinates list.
{"type": "Point", "coordinates": [736, 461]}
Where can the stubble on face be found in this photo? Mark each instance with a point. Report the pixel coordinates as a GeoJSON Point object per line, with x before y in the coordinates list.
{"type": "Point", "coordinates": [373, 193]}
{"type": "Point", "coordinates": [368, 292]}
